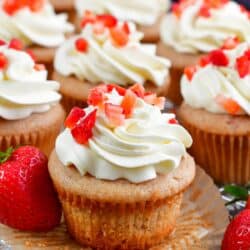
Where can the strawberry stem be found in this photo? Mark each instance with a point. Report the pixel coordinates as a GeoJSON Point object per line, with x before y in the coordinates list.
{"type": "Point", "coordinates": [4, 156]}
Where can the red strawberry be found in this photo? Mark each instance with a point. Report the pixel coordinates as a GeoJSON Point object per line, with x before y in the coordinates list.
{"type": "Point", "coordinates": [119, 36]}
{"type": "Point", "coordinates": [88, 17]}
{"type": "Point", "coordinates": [138, 89]}
{"type": "Point", "coordinates": [16, 44]}
{"type": "Point", "coordinates": [218, 58]}
{"type": "Point", "coordinates": [82, 132]}
{"type": "Point", "coordinates": [204, 61]}
{"type": "Point", "coordinates": [74, 116]}
{"type": "Point", "coordinates": [108, 21]}
{"type": "Point", "coordinates": [173, 121]}
{"type": "Point", "coordinates": [243, 65]}
{"type": "Point", "coordinates": [237, 235]}
{"type": "Point", "coordinates": [126, 28]}
{"type": "Point", "coordinates": [3, 61]}
{"type": "Point", "coordinates": [189, 72]}
{"type": "Point", "coordinates": [2, 42]}
{"type": "Point", "coordinates": [97, 95]}
{"type": "Point", "coordinates": [36, 5]}
{"type": "Point", "coordinates": [128, 103]}
{"type": "Point", "coordinates": [11, 6]}
{"type": "Point", "coordinates": [204, 11]}
{"type": "Point", "coordinates": [120, 90]}
{"type": "Point", "coordinates": [81, 45]}
{"type": "Point", "coordinates": [230, 43]}
{"type": "Point", "coordinates": [28, 200]}
{"type": "Point", "coordinates": [114, 113]}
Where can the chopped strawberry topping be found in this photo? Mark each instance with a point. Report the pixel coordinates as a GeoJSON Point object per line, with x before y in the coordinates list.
{"type": "Point", "coordinates": [150, 98]}
{"type": "Point", "coordinates": [204, 61]}
{"type": "Point", "coordinates": [243, 65]}
{"type": "Point", "coordinates": [189, 72]}
{"type": "Point", "coordinates": [16, 44]}
{"type": "Point", "coordinates": [31, 54]}
{"type": "Point", "coordinates": [218, 58]}
{"type": "Point", "coordinates": [3, 61]}
{"type": "Point", "coordinates": [120, 90]}
{"type": "Point", "coordinates": [138, 89]}
{"type": "Point", "coordinates": [2, 42]}
{"type": "Point", "coordinates": [230, 43]}
{"type": "Point", "coordinates": [128, 103]}
{"type": "Point", "coordinates": [119, 36]}
{"type": "Point", "coordinates": [97, 95]}
{"type": "Point", "coordinates": [81, 45]}
{"type": "Point", "coordinates": [177, 10]}
{"type": "Point", "coordinates": [36, 5]}
{"type": "Point", "coordinates": [74, 116]}
{"type": "Point", "coordinates": [115, 114]}
{"type": "Point", "coordinates": [109, 21]}
{"type": "Point", "coordinates": [82, 132]}
{"type": "Point", "coordinates": [204, 11]}
{"type": "Point", "coordinates": [173, 121]}
{"type": "Point", "coordinates": [88, 17]}
{"type": "Point", "coordinates": [39, 67]}
{"type": "Point", "coordinates": [126, 28]}
{"type": "Point", "coordinates": [230, 105]}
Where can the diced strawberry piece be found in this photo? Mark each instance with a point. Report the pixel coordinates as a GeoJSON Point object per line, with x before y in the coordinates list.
{"type": "Point", "coordinates": [172, 121]}
{"type": "Point", "coordinates": [2, 42]}
{"type": "Point", "coordinates": [247, 54]}
{"type": "Point", "coordinates": [81, 45]}
{"type": "Point", "coordinates": [138, 89]}
{"type": "Point", "coordinates": [82, 132]}
{"type": "Point", "coordinates": [189, 72]}
{"type": "Point", "coordinates": [74, 116]}
{"type": "Point", "coordinates": [160, 102]}
{"type": "Point", "coordinates": [230, 105]}
{"type": "Point", "coordinates": [204, 11]}
{"type": "Point", "coordinates": [3, 61]}
{"type": "Point", "coordinates": [16, 44]}
{"type": "Point", "coordinates": [97, 95]}
{"type": "Point", "coordinates": [177, 10]}
{"type": "Point", "coordinates": [204, 61]}
{"type": "Point", "coordinates": [243, 66]}
{"type": "Point", "coordinates": [128, 103]}
{"type": "Point", "coordinates": [36, 5]}
{"type": "Point", "coordinates": [218, 58]}
{"type": "Point", "coordinates": [11, 6]}
{"type": "Point", "coordinates": [88, 17]}
{"type": "Point", "coordinates": [114, 113]}
{"type": "Point", "coordinates": [120, 90]}
{"type": "Point", "coordinates": [108, 21]}
{"type": "Point", "coordinates": [126, 28]}
{"type": "Point", "coordinates": [39, 67]}
{"type": "Point", "coordinates": [230, 43]}
{"type": "Point", "coordinates": [119, 36]}
{"type": "Point", "coordinates": [31, 54]}
{"type": "Point", "coordinates": [149, 98]}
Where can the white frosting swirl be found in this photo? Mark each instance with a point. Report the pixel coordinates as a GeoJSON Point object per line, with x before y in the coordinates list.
{"type": "Point", "coordinates": [24, 90]}
{"type": "Point", "coordinates": [105, 62]}
{"type": "Point", "coordinates": [138, 11]}
{"type": "Point", "coordinates": [212, 81]}
{"type": "Point", "coordinates": [145, 145]}
{"type": "Point", "coordinates": [44, 27]}
{"type": "Point", "coordinates": [192, 33]}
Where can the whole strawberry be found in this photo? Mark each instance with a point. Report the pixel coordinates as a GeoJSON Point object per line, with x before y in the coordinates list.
{"type": "Point", "coordinates": [27, 198]}
{"type": "Point", "coordinates": [237, 235]}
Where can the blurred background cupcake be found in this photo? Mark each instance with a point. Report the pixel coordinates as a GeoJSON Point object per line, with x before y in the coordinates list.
{"type": "Point", "coordinates": [36, 25]}
{"type": "Point", "coordinates": [216, 111]}
{"type": "Point", "coordinates": [107, 51]}
{"type": "Point", "coordinates": [30, 112]}
{"type": "Point", "coordinates": [196, 27]}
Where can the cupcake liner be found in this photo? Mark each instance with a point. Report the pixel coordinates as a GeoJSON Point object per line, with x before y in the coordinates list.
{"type": "Point", "coordinates": [225, 157]}
{"type": "Point", "coordinates": [200, 226]}
{"type": "Point", "coordinates": [39, 130]}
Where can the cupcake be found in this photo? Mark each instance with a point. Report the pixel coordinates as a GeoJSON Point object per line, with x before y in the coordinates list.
{"type": "Point", "coordinates": [35, 24]}
{"type": "Point", "coordinates": [120, 168]}
{"type": "Point", "coordinates": [107, 51]}
{"type": "Point", "coordinates": [146, 15]}
{"type": "Point", "coordinates": [196, 27]}
{"type": "Point", "coordinates": [216, 111]}
{"type": "Point", "coordinates": [29, 109]}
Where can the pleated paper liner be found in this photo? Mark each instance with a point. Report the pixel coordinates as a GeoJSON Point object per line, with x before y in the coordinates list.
{"type": "Point", "coordinates": [201, 225]}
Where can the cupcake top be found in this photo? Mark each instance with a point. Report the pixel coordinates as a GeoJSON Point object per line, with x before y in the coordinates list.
{"type": "Point", "coordinates": [33, 22]}
{"type": "Point", "coordinates": [196, 26]}
{"type": "Point", "coordinates": [138, 11]}
{"type": "Point", "coordinates": [110, 51]}
{"type": "Point", "coordinates": [24, 88]}
{"type": "Point", "coordinates": [220, 83]}
{"type": "Point", "coordinates": [122, 134]}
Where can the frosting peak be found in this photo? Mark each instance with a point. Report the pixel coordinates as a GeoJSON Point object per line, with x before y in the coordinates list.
{"type": "Point", "coordinates": [196, 26]}
{"type": "Point", "coordinates": [23, 86]}
{"type": "Point", "coordinates": [122, 134]}
{"type": "Point", "coordinates": [114, 54]}
{"type": "Point", "coordinates": [220, 83]}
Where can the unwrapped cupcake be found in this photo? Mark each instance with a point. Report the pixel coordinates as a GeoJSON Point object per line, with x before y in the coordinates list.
{"type": "Point", "coordinates": [120, 168]}
{"type": "Point", "coordinates": [196, 27]}
{"type": "Point", "coordinates": [35, 23]}
{"type": "Point", "coordinates": [107, 51]}
{"type": "Point", "coordinates": [216, 112]}
{"type": "Point", "coordinates": [146, 15]}
{"type": "Point", "coordinates": [29, 108]}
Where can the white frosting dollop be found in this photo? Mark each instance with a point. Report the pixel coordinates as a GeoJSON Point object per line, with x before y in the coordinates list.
{"type": "Point", "coordinates": [105, 62]}
{"type": "Point", "coordinates": [43, 28]}
{"type": "Point", "coordinates": [146, 144]}
{"type": "Point", "coordinates": [212, 81]}
{"type": "Point", "coordinates": [192, 33]}
{"type": "Point", "coordinates": [23, 89]}
{"type": "Point", "coordinates": [138, 11]}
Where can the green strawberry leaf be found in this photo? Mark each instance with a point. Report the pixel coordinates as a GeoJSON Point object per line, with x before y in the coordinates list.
{"type": "Point", "coordinates": [4, 156]}
{"type": "Point", "coordinates": [238, 192]}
